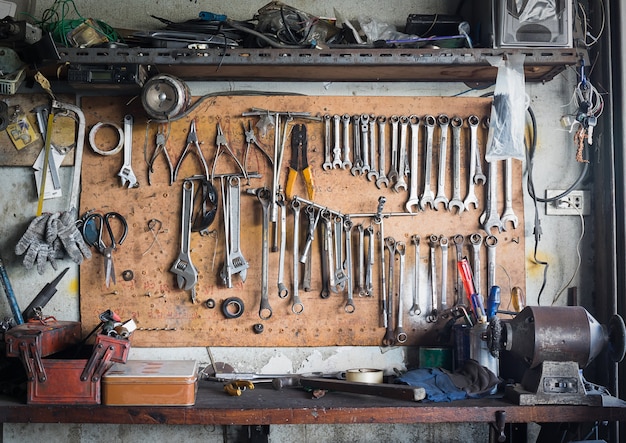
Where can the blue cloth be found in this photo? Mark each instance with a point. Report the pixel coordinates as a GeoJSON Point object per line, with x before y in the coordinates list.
{"type": "Point", "coordinates": [438, 385]}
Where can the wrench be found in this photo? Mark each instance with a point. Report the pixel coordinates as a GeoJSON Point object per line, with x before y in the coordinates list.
{"type": "Point", "coordinates": [369, 270]}
{"type": "Point", "coordinates": [444, 122]}
{"type": "Point", "coordinates": [479, 177]}
{"type": "Point", "coordinates": [393, 172]}
{"type": "Point", "coordinates": [476, 240]}
{"type": "Point", "coordinates": [328, 163]}
{"type": "Point", "coordinates": [389, 337]}
{"type": "Point", "coordinates": [490, 218]}
{"type": "Point", "coordinates": [313, 220]}
{"type": "Point", "coordinates": [415, 309]}
{"type": "Point", "coordinates": [458, 241]}
{"type": "Point", "coordinates": [443, 243]}
{"type": "Point", "coordinates": [340, 275]}
{"type": "Point", "coordinates": [283, 292]}
{"type": "Point", "coordinates": [345, 121]}
{"type": "Point", "coordinates": [186, 272]}
{"type": "Point", "coordinates": [456, 201]}
{"type": "Point", "coordinates": [329, 252]}
{"type": "Point", "coordinates": [365, 142]}
{"type": "Point", "coordinates": [357, 165]}
{"type": "Point", "coordinates": [226, 273]}
{"type": "Point", "coordinates": [508, 215]}
{"type": "Point", "coordinates": [382, 160]}
{"type": "Point", "coordinates": [126, 173]}
{"type": "Point", "coordinates": [428, 197]}
{"type": "Point", "coordinates": [433, 241]}
{"type": "Point", "coordinates": [491, 242]}
{"type": "Point", "coordinates": [413, 197]}
{"type": "Point", "coordinates": [297, 307]}
{"type": "Point", "coordinates": [360, 283]}
{"type": "Point", "coordinates": [401, 336]}
{"type": "Point", "coordinates": [347, 227]}
{"type": "Point", "coordinates": [337, 147]}
{"type": "Point", "coordinates": [383, 280]}
{"type": "Point", "coordinates": [238, 263]}
{"type": "Point", "coordinates": [401, 183]}
{"type": "Point", "coordinates": [373, 173]}
{"type": "Point", "coordinates": [326, 265]}
{"type": "Point", "coordinates": [264, 196]}
{"type": "Point", "coordinates": [471, 198]}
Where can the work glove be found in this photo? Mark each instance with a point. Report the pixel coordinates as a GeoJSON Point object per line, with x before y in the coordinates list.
{"type": "Point", "coordinates": [34, 244]}
{"type": "Point", "coordinates": [64, 227]}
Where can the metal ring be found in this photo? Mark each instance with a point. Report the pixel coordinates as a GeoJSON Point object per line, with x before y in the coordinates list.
{"type": "Point", "coordinates": [232, 301]}
{"type": "Point", "coordinates": [92, 138]}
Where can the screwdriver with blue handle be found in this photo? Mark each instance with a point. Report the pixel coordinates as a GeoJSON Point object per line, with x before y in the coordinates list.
{"type": "Point", "coordinates": [299, 162]}
{"type": "Point", "coordinates": [493, 302]}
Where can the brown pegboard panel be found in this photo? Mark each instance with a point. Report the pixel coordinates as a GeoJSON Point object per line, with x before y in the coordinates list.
{"type": "Point", "coordinates": [323, 321]}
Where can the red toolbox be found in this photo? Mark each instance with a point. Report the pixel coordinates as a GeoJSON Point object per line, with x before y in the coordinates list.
{"type": "Point", "coordinates": [59, 371]}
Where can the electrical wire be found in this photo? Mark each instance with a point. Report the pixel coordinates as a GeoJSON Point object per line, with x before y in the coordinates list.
{"type": "Point", "coordinates": [580, 239]}
{"type": "Point", "coordinates": [594, 38]}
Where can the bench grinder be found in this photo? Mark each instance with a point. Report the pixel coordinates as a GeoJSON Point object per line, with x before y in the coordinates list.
{"type": "Point", "coordinates": [555, 341]}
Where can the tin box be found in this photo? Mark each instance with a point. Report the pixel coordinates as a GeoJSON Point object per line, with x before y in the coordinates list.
{"type": "Point", "coordinates": [151, 382]}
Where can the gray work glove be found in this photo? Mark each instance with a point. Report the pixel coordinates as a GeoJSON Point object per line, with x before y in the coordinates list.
{"type": "Point", "coordinates": [34, 244]}
{"type": "Point", "coordinates": [64, 227]}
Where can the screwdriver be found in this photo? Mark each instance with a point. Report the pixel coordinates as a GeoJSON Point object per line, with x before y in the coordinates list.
{"type": "Point", "coordinates": [475, 300]}
{"type": "Point", "coordinates": [493, 302]}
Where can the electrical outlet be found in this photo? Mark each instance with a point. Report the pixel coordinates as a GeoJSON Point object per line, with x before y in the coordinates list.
{"type": "Point", "coordinates": [575, 203]}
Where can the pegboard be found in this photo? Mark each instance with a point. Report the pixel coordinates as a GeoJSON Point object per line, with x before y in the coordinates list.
{"type": "Point", "coordinates": [166, 314]}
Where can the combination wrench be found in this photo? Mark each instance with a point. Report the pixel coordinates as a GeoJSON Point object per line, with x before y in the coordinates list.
{"type": "Point", "coordinates": [186, 273]}
{"type": "Point", "coordinates": [297, 307]}
{"type": "Point", "coordinates": [328, 240]}
{"type": "Point", "coordinates": [471, 198]}
{"type": "Point", "coordinates": [393, 172]}
{"type": "Point", "coordinates": [401, 336]}
{"type": "Point", "coordinates": [357, 165]}
{"type": "Point", "coordinates": [360, 282]}
{"type": "Point", "coordinates": [365, 142]}
{"type": "Point", "coordinates": [326, 265]}
{"type": "Point", "coordinates": [476, 240]}
{"type": "Point", "coordinates": [428, 198]}
{"type": "Point", "coordinates": [443, 244]}
{"type": "Point", "coordinates": [491, 242]}
{"type": "Point", "coordinates": [415, 308]}
{"type": "Point", "coordinates": [283, 292]}
{"type": "Point", "coordinates": [345, 122]}
{"type": "Point", "coordinates": [312, 226]}
{"type": "Point", "coordinates": [479, 177]}
{"type": "Point", "coordinates": [337, 163]}
{"type": "Point", "coordinates": [456, 201]}
{"type": "Point", "coordinates": [413, 200]}
{"type": "Point", "coordinates": [328, 162]}
{"type": "Point", "coordinates": [126, 173]}
{"type": "Point", "coordinates": [458, 241]}
{"type": "Point", "coordinates": [340, 274]}
{"type": "Point", "coordinates": [373, 172]}
{"type": "Point", "coordinates": [444, 122]}
{"type": "Point", "coordinates": [382, 158]}
{"type": "Point", "coordinates": [347, 227]}
{"type": "Point", "coordinates": [265, 197]}
{"type": "Point", "coordinates": [508, 215]}
{"type": "Point", "coordinates": [490, 218]}
{"type": "Point", "coordinates": [369, 269]}
{"type": "Point", "coordinates": [433, 241]}
{"type": "Point", "coordinates": [389, 338]}
{"type": "Point", "coordinates": [402, 147]}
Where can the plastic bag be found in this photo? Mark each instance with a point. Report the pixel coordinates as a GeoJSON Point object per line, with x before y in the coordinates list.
{"type": "Point", "coordinates": [508, 111]}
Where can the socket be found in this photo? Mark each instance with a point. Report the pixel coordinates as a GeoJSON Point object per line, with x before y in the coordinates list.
{"type": "Point", "coordinates": [579, 203]}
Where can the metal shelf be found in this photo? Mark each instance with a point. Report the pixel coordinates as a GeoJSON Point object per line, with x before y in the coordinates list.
{"type": "Point", "coordinates": [466, 65]}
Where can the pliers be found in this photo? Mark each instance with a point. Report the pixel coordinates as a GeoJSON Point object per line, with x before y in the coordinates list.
{"type": "Point", "coordinates": [222, 146]}
{"type": "Point", "coordinates": [299, 162]}
{"type": "Point", "coordinates": [251, 140]}
{"type": "Point", "coordinates": [236, 387]}
{"type": "Point", "coordinates": [192, 138]}
{"type": "Point", "coordinates": [161, 146]}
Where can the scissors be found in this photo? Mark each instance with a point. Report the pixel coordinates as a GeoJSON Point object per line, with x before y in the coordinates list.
{"type": "Point", "coordinates": [93, 227]}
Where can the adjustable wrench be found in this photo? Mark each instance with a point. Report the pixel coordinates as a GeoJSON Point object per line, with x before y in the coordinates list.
{"type": "Point", "coordinates": [490, 218]}
{"type": "Point", "coordinates": [428, 197]}
{"type": "Point", "coordinates": [264, 196]}
{"type": "Point", "coordinates": [369, 269]}
{"type": "Point", "coordinates": [400, 334]}
{"type": "Point", "coordinates": [360, 282]}
{"type": "Point", "coordinates": [297, 307]}
{"type": "Point", "coordinates": [404, 128]}
{"type": "Point", "coordinates": [186, 272]}
{"type": "Point", "coordinates": [382, 160]}
{"type": "Point", "coordinates": [337, 147]}
{"type": "Point", "coordinates": [444, 122]}
{"type": "Point", "coordinates": [413, 197]}
{"type": "Point", "coordinates": [415, 309]}
{"type": "Point", "coordinates": [443, 243]}
{"type": "Point", "coordinates": [347, 227]}
{"type": "Point", "coordinates": [471, 198]}
{"type": "Point", "coordinates": [126, 173]}
{"type": "Point", "coordinates": [357, 165]}
{"type": "Point", "coordinates": [476, 240]}
{"type": "Point", "coordinates": [389, 338]}
{"type": "Point", "coordinates": [458, 241]}
{"type": "Point", "coordinates": [282, 289]}
{"type": "Point", "coordinates": [328, 163]}
{"type": "Point", "coordinates": [393, 172]}
{"type": "Point", "coordinates": [479, 177]}
{"type": "Point", "coordinates": [345, 121]}
{"type": "Point", "coordinates": [456, 201]}
{"type": "Point", "coordinates": [365, 142]}
{"type": "Point", "coordinates": [373, 172]}
{"type": "Point", "coordinates": [433, 241]}
{"type": "Point", "coordinates": [238, 264]}
{"type": "Point", "coordinates": [326, 265]}
{"type": "Point", "coordinates": [226, 273]}
{"type": "Point", "coordinates": [508, 215]}
{"type": "Point", "coordinates": [491, 242]}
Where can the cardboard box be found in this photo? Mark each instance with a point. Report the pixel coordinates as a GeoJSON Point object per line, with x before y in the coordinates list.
{"type": "Point", "coordinates": [151, 382]}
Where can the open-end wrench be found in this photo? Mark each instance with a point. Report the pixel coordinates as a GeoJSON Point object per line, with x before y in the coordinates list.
{"type": "Point", "coordinates": [308, 273]}
{"type": "Point", "coordinates": [373, 172]}
{"type": "Point", "coordinates": [283, 292]}
{"type": "Point", "coordinates": [456, 202]}
{"type": "Point", "coordinates": [491, 242]}
{"type": "Point", "coordinates": [458, 241]}
{"type": "Point", "coordinates": [444, 122]}
{"type": "Point", "coordinates": [328, 162]}
{"type": "Point", "coordinates": [337, 147]}
{"type": "Point", "coordinates": [508, 215]}
{"type": "Point", "coordinates": [402, 147]}
{"type": "Point", "coordinates": [401, 336]}
{"type": "Point", "coordinates": [428, 198]}
{"type": "Point", "coordinates": [369, 269]}
{"type": "Point", "coordinates": [126, 173]}
{"type": "Point", "coordinates": [328, 230]}
{"type": "Point", "coordinates": [433, 241]}
{"type": "Point", "coordinates": [238, 264]}
{"type": "Point", "coordinates": [413, 200]}
{"type": "Point", "coordinates": [393, 172]}
{"type": "Point", "coordinates": [415, 308]}
{"type": "Point", "coordinates": [357, 165]}
{"type": "Point", "coordinates": [297, 307]}
{"type": "Point", "coordinates": [326, 265]}
{"type": "Point", "coordinates": [360, 269]}
{"type": "Point", "coordinates": [490, 218]}
{"type": "Point", "coordinates": [382, 158]}
{"type": "Point", "coordinates": [389, 338]}
{"type": "Point", "coordinates": [347, 227]}
{"type": "Point", "coordinates": [347, 162]}
{"type": "Point", "coordinates": [479, 177]}
{"type": "Point", "coordinates": [476, 240]}
{"type": "Point", "coordinates": [471, 198]}
{"type": "Point", "coordinates": [365, 142]}
{"type": "Point", "coordinates": [186, 273]}
{"type": "Point", "coordinates": [264, 196]}
{"type": "Point", "coordinates": [340, 273]}
{"type": "Point", "coordinates": [443, 243]}
{"type": "Point", "coordinates": [312, 226]}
